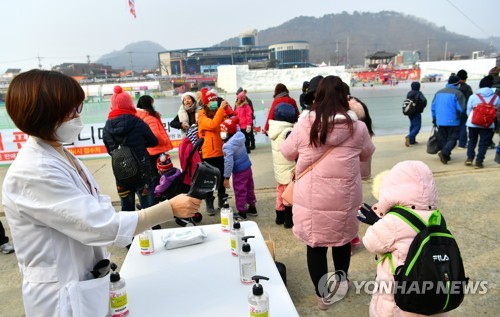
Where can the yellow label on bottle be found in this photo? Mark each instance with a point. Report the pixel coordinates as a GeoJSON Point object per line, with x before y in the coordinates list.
{"type": "Point", "coordinates": [224, 221]}
{"type": "Point", "coordinates": [233, 243]}
{"type": "Point", "coordinates": [144, 243]}
{"type": "Point", "coordinates": [119, 301]}
{"type": "Point", "coordinates": [256, 312]}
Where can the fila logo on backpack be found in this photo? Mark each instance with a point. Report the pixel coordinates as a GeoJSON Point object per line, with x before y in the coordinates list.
{"type": "Point", "coordinates": [432, 279]}
{"type": "Point", "coordinates": [485, 113]}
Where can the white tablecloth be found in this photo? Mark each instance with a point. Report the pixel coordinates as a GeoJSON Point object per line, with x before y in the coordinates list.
{"type": "Point", "coordinates": [200, 280]}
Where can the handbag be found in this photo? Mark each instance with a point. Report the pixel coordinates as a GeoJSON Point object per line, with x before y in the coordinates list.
{"type": "Point", "coordinates": [287, 194]}
{"type": "Point", "coordinates": [434, 142]}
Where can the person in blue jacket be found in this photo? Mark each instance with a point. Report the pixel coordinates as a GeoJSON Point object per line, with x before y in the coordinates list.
{"type": "Point", "coordinates": [237, 163]}
{"type": "Point", "coordinates": [447, 107]}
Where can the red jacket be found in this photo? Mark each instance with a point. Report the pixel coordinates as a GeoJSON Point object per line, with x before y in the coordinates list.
{"type": "Point", "coordinates": [276, 101]}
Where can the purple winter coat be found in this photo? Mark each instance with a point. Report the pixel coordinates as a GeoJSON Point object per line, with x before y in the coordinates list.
{"type": "Point", "coordinates": [326, 199]}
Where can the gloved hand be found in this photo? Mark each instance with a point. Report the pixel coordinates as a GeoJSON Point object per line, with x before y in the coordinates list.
{"type": "Point", "coordinates": [248, 129]}
{"type": "Point", "coordinates": [367, 215]}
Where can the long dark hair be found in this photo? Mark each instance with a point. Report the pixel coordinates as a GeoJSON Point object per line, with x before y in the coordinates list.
{"type": "Point", "coordinates": [330, 100]}
{"type": "Point", "coordinates": [146, 103]}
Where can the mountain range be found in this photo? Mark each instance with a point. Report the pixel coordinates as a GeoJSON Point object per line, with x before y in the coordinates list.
{"type": "Point", "coordinates": [337, 39]}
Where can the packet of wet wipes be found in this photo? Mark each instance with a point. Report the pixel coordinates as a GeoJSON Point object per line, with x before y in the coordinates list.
{"type": "Point", "coordinates": [182, 238]}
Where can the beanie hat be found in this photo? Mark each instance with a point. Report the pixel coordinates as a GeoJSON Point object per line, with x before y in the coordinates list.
{"type": "Point", "coordinates": [229, 125]}
{"type": "Point", "coordinates": [486, 82]}
{"type": "Point", "coordinates": [239, 90]}
{"type": "Point", "coordinates": [311, 90]}
{"type": "Point", "coordinates": [190, 94]}
{"type": "Point", "coordinates": [207, 96]}
{"type": "Point", "coordinates": [192, 133]}
{"type": "Point", "coordinates": [462, 74]}
{"type": "Point", "coordinates": [415, 86]}
{"type": "Point", "coordinates": [121, 100]}
{"type": "Point", "coordinates": [242, 96]}
{"type": "Point", "coordinates": [164, 163]}
{"type": "Point", "coordinates": [285, 112]}
{"type": "Point", "coordinates": [453, 80]}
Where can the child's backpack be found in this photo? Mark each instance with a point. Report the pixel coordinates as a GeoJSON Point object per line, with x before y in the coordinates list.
{"type": "Point", "coordinates": [485, 113]}
{"type": "Point", "coordinates": [432, 279]}
{"type": "Point", "coordinates": [409, 107]}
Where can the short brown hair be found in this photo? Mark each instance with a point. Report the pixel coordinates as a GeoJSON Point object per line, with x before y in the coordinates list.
{"type": "Point", "coordinates": [38, 101]}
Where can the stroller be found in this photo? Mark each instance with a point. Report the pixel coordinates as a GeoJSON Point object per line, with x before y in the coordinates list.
{"type": "Point", "coordinates": [182, 183]}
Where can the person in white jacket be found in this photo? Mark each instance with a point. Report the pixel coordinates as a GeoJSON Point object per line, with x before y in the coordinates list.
{"type": "Point", "coordinates": [60, 222]}
{"type": "Point", "coordinates": [480, 136]}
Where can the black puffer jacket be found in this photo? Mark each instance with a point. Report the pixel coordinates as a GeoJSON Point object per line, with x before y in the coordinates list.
{"type": "Point", "coordinates": [139, 135]}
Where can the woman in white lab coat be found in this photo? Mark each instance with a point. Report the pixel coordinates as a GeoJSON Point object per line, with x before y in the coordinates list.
{"type": "Point", "coordinates": [60, 222]}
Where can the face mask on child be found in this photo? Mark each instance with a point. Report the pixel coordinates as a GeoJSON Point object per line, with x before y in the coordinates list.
{"type": "Point", "coordinates": [213, 105]}
{"type": "Point", "coordinates": [223, 135]}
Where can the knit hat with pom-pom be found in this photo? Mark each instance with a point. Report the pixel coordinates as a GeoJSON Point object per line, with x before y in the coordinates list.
{"type": "Point", "coordinates": [121, 100]}
{"type": "Point", "coordinates": [229, 125]}
{"type": "Point", "coordinates": [242, 96]}
{"type": "Point", "coordinates": [207, 96]}
{"type": "Point", "coordinates": [164, 163]}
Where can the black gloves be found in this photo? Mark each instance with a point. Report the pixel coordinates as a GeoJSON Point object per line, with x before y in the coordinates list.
{"type": "Point", "coordinates": [366, 214]}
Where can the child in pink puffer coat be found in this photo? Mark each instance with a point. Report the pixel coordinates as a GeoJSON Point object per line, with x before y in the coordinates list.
{"type": "Point", "coordinates": [409, 184]}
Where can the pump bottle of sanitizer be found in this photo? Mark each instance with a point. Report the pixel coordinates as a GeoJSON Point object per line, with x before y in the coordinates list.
{"type": "Point", "coordinates": [247, 262]}
{"type": "Point", "coordinates": [117, 294]}
{"type": "Point", "coordinates": [258, 299]}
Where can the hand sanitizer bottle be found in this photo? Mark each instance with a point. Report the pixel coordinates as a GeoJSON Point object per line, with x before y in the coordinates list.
{"type": "Point", "coordinates": [146, 242]}
{"type": "Point", "coordinates": [237, 232]}
{"type": "Point", "coordinates": [258, 299]}
{"type": "Point", "coordinates": [226, 216]}
{"type": "Point", "coordinates": [118, 303]}
{"type": "Point", "coordinates": [247, 262]}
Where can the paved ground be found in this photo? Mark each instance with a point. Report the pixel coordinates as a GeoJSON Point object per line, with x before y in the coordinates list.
{"type": "Point", "coordinates": [469, 199]}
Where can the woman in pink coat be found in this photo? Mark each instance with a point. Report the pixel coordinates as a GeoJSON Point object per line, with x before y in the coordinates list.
{"type": "Point", "coordinates": [326, 199]}
{"type": "Point", "coordinates": [408, 184]}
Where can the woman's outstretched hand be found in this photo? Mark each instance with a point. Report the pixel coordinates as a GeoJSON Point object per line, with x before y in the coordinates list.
{"type": "Point", "coordinates": [184, 206]}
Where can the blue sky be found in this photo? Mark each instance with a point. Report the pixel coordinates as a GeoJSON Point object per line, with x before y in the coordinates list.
{"type": "Point", "coordinates": [68, 30]}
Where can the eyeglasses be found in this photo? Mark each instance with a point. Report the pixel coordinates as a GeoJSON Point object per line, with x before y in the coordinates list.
{"type": "Point", "coordinates": [78, 109]}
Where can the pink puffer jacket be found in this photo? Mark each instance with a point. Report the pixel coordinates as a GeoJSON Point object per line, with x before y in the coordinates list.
{"type": "Point", "coordinates": [409, 184]}
{"type": "Point", "coordinates": [327, 198]}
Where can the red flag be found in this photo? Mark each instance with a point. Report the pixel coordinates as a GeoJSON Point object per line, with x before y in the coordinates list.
{"type": "Point", "coordinates": [131, 4]}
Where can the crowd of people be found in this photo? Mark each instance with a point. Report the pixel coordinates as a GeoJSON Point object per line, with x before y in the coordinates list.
{"type": "Point", "coordinates": [452, 110]}
{"type": "Point", "coordinates": [332, 132]}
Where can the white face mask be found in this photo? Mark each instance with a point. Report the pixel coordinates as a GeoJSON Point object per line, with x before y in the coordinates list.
{"type": "Point", "coordinates": [223, 135]}
{"type": "Point", "coordinates": [69, 130]}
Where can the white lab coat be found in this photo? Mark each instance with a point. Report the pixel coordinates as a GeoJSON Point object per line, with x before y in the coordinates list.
{"type": "Point", "coordinates": [60, 231]}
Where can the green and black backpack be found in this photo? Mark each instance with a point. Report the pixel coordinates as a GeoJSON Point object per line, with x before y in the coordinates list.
{"type": "Point", "coordinates": [432, 279]}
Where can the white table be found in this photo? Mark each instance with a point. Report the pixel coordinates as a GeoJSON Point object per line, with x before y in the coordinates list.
{"type": "Point", "coordinates": [201, 279]}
